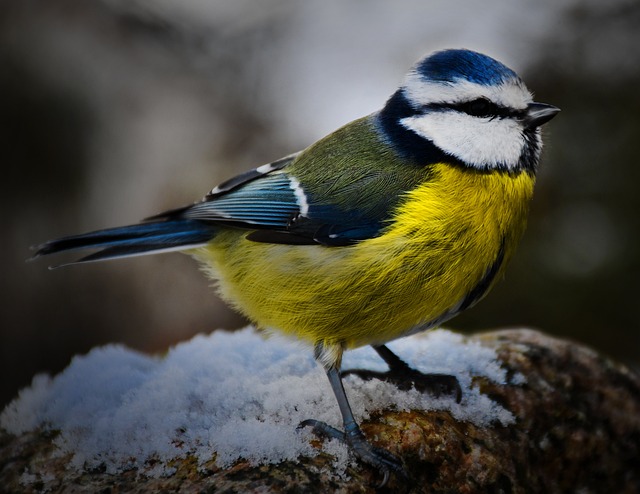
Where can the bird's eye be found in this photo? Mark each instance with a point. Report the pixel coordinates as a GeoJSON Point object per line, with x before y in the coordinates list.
{"type": "Point", "coordinates": [480, 108]}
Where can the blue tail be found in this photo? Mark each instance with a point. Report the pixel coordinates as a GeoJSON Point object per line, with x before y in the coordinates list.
{"type": "Point", "coordinates": [134, 240]}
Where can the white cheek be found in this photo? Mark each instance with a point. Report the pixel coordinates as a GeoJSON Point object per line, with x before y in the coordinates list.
{"type": "Point", "coordinates": [480, 142]}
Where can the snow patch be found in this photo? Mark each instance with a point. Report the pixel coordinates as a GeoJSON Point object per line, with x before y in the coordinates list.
{"type": "Point", "coordinates": [232, 395]}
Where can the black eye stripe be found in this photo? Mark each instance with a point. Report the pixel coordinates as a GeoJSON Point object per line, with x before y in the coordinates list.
{"type": "Point", "coordinates": [480, 107]}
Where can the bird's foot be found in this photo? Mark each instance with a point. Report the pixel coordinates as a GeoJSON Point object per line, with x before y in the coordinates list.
{"type": "Point", "coordinates": [379, 458]}
{"type": "Point", "coordinates": [404, 377]}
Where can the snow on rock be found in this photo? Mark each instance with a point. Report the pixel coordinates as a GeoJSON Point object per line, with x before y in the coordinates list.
{"type": "Point", "coordinates": [232, 395]}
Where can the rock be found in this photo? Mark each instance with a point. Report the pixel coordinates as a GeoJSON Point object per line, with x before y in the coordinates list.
{"type": "Point", "coordinates": [577, 429]}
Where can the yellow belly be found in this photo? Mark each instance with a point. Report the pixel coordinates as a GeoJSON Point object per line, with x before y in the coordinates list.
{"type": "Point", "coordinates": [439, 245]}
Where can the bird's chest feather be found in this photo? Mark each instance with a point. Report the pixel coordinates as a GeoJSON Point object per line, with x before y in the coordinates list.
{"type": "Point", "coordinates": [451, 234]}
{"type": "Point", "coordinates": [436, 248]}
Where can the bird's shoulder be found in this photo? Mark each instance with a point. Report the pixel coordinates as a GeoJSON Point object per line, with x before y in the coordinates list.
{"type": "Point", "coordinates": [355, 169]}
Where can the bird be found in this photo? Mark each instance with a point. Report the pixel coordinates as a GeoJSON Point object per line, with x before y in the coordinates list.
{"type": "Point", "coordinates": [389, 226]}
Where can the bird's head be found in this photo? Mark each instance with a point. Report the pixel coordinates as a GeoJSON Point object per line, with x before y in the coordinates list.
{"type": "Point", "coordinates": [462, 106]}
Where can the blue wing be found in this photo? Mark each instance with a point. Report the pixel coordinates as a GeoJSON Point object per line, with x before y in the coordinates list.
{"type": "Point", "coordinates": [267, 202]}
{"type": "Point", "coordinates": [271, 202]}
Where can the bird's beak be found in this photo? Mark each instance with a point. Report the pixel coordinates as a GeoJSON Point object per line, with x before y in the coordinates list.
{"type": "Point", "coordinates": [538, 114]}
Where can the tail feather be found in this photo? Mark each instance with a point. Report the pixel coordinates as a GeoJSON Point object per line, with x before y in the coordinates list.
{"type": "Point", "coordinates": [133, 240]}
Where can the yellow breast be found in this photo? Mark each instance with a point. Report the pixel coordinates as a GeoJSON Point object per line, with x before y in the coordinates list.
{"type": "Point", "coordinates": [439, 245]}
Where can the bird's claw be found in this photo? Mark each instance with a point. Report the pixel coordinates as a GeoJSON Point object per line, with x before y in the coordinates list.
{"type": "Point", "coordinates": [322, 429]}
{"type": "Point", "coordinates": [436, 385]}
{"type": "Point", "coordinates": [379, 458]}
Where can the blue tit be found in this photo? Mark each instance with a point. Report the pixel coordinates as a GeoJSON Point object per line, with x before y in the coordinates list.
{"type": "Point", "coordinates": [388, 226]}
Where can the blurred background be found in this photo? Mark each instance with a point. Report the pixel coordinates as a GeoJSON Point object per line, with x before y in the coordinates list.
{"type": "Point", "coordinates": [113, 110]}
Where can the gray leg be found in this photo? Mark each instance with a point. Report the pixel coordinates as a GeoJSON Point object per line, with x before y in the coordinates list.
{"type": "Point", "coordinates": [352, 435]}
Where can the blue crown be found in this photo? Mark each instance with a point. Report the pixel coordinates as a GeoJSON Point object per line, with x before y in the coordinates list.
{"type": "Point", "coordinates": [454, 65]}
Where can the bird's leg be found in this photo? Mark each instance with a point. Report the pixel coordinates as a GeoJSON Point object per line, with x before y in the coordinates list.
{"type": "Point", "coordinates": [404, 377]}
{"type": "Point", "coordinates": [352, 435]}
